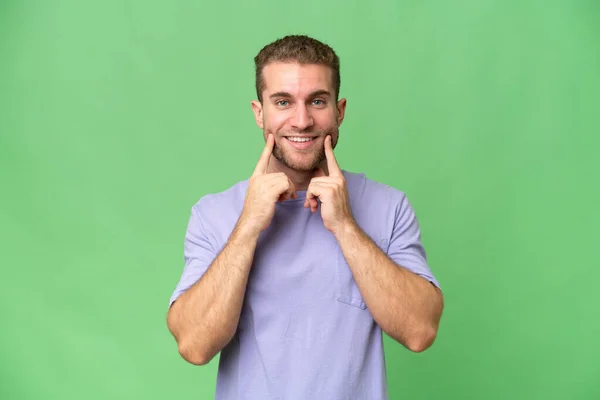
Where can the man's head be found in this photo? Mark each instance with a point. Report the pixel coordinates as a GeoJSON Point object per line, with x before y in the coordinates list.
{"type": "Point", "coordinates": [297, 84]}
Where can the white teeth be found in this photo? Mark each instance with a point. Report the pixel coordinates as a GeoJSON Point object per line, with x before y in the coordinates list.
{"type": "Point", "coordinates": [299, 139]}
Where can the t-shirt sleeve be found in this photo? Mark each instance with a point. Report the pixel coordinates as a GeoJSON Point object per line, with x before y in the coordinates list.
{"type": "Point", "coordinates": [198, 254]}
{"type": "Point", "coordinates": [405, 247]}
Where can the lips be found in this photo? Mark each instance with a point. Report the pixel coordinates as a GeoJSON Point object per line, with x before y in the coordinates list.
{"type": "Point", "coordinates": [301, 142]}
{"type": "Point", "coordinates": [299, 139]}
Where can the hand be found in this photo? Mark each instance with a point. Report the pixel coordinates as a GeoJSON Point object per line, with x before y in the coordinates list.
{"type": "Point", "coordinates": [332, 192]}
{"type": "Point", "coordinates": [264, 190]}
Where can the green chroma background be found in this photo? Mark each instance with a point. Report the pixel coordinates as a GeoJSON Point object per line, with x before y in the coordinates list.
{"type": "Point", "coordinates": [117, 116]}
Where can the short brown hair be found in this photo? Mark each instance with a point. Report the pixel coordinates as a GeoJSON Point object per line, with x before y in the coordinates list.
{"type": "Point", "coordinates": [296, 48]}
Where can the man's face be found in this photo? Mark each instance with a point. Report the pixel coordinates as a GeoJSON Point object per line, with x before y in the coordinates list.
{"type": "Point", "coordinates": [299, 108]}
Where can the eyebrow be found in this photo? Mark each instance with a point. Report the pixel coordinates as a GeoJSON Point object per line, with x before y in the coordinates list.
{"type": "Point", "coordinates": [320, 92]}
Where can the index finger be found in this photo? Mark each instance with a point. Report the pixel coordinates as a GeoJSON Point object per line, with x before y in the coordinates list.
{"type": "Point", "coordinates": [263, 161]}
{"type": "Point", "coordinates": [332, 165]}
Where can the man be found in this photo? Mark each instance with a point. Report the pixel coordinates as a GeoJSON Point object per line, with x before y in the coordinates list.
{"type": "Point", "coordinates": [293, 274]}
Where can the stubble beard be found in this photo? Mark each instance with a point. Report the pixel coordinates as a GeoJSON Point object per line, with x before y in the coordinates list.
{"type": "Point", "coordinates": [317, 156]}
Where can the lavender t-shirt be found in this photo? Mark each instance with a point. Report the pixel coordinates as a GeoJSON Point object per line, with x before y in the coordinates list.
{"type": "Point", "coordinates": [305, 331]}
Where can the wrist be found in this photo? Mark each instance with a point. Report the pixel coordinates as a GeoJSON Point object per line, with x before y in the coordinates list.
{"type": "Point", "coordinates": [345, 229]}
{"type": "Point", "coordinates": [245, 230]}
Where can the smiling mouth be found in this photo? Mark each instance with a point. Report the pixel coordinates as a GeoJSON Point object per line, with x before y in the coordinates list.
{"type": "Point", "coordinates": [301, 143]}
{"type": "Point", "coordinates": [300, 139]}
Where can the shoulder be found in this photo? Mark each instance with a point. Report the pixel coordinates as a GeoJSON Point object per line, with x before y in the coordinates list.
{"type": "Point", "coordinates": [222, 205]}
{"type": "Point", "coordinates": [360, 186]}
{"type": "Point", "coordinates": [215, 214]}
{"type": "Point", "coordinates": [377, 207]}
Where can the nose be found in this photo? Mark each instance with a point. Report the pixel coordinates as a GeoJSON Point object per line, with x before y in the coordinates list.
{"type": "Point", "coordinates": [301, 119]}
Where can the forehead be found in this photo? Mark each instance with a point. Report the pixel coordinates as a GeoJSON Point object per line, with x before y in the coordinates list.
{"type": "Point", "coordinates": [296, 79]}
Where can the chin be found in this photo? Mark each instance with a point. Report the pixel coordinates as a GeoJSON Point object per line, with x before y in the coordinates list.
{"type": "Point", "coordinates": [305, 168]}
{"type": "Point", "coordinates": [300, 165]}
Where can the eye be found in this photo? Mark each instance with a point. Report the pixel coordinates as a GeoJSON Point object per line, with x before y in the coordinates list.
{"type": "Point", "coordinates": [282, 103]}
{"type": "Point", "coordinates": [318, 102]}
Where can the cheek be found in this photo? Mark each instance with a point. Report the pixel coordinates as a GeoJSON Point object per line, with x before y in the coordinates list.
{"type": "Point", "coordinates": [326, 118]}
{"type": "Point", "coordinates": [274, 121]}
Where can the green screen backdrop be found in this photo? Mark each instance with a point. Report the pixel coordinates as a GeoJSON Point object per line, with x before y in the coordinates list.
{"type": "Point", "coordinates": [117, 116]}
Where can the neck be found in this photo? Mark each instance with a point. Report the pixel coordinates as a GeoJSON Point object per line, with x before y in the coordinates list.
{"type": "Point", "coordinates": [301, 179]}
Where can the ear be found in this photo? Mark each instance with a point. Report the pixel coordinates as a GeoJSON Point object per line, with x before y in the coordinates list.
{"type": "Point", "coordinates": [341, 111]}
{"type": "Point", "coordinates": [258, 113]}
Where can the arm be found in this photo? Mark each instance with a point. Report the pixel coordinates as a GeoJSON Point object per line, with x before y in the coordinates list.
{"type": "Point", "coordinates": [405, 305]}
{"type": "Point", "coordinates": [205, 317]}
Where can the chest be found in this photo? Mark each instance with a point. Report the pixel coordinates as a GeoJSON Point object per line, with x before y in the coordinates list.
{"type": "Point", "coordinates": [295, 261]}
